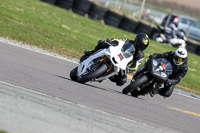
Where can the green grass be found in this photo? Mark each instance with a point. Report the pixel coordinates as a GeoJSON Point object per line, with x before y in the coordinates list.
{"type": "Point", "coordinates": [1, 131]}
{"type": "Point", "coordinates": [64, 32]}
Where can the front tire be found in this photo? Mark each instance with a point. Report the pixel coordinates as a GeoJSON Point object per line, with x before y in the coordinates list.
{"type": "Point", "coordinates": [73, 73]}
{"type": "Point", "coordinates": [93, 74]}
{"type": "Point", "coordinates": [133, 85]}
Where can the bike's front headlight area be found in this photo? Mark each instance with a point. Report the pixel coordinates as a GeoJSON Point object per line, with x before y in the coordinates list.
{"type": "Point", "coordinates": [163, 74]}
{"type": "Point", "coordinates": [155, 63]}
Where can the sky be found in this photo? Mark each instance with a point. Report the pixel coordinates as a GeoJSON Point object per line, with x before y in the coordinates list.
{"type": "Point", "coordinates": [190, 3]}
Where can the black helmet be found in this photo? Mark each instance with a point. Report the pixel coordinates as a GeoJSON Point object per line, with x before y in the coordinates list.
{"type": "Point", "coordinates": [141, 41]}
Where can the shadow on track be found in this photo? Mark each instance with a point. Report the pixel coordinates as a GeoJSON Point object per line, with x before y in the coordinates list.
{"type": "Point", "coordinates": [110, 90]}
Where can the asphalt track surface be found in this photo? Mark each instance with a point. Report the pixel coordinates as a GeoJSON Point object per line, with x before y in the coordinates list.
{"type": "Point", "coordinates": [50, 75]}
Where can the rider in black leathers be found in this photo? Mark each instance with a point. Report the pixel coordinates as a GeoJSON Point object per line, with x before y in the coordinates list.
{"type": "Point", "coordinates": [140, 43]}
{"type": "Point", "coordinates": [179, 69]}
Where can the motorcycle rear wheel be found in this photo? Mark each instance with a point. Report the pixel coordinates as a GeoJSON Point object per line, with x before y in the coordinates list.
{"type": "Point", "coordinates": [133, 85]}
{"type": "Point", "coordinates": [93, 74]}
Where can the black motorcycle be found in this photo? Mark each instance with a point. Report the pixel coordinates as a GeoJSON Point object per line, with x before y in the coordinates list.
{"type": "Point", "coordinates": [149, 78]}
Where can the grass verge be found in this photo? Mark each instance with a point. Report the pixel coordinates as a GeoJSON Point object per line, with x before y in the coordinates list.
{"type": "Point", "coordinates": [1, 131]}
{"type": "Point", "coordinates": [58, 30]}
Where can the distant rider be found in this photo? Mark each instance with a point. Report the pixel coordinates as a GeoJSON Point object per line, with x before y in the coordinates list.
{"type": "Point", "coordinates": [176, 36]}
{"type": "Point", "coordinates": [140, 43]}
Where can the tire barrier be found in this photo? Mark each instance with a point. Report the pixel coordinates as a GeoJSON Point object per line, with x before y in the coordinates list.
{"type": "Point", "coordinates": [141, 27]}
{"type": "Point", "coordinates": [113, 19]}
{"type": "Point", "coordinates": [153, 32]}
{"type": "Point", "coordinates": [81, 7]}
{"type": "Point", "coordinates": [67, 4]}
{"type": "Point", "coordinates": [191, 47]}
{"type": "Point", "coordinates": [198, 50]}
{"type": "Point", "coordinates": [128, 24]}
{"type": "Point", "coordinates": [97, 12]}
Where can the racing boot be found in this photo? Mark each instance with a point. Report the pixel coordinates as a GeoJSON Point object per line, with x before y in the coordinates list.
{"type": "Point", "coordinates": [156, 89]}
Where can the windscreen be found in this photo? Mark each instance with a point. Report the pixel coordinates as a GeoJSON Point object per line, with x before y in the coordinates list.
{"type": "Point", "coordinates": [167, 64]}
{"type": "Point", "coordinates": [128, 50]}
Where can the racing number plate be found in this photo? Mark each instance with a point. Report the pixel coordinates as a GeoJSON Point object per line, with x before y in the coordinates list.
{"type": "Point", "coordinates": [120, 56]}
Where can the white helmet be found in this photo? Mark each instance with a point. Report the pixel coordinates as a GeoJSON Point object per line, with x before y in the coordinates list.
{"type": "Point", "coordinates": [180, 56]}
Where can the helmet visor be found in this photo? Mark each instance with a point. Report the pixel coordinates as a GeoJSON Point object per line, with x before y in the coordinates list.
{"type": "Point", "coordinates": [140, 46]}
{"type": "Point", "coordinates": [178, 60]}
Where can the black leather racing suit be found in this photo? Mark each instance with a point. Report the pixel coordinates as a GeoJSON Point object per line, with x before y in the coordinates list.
{"type": "Point", "coordinates": [179, 71]}
{"type": "Point", "coordinates": [121, 77]}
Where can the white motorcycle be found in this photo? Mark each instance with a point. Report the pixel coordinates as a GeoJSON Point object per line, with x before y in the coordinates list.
{"type": "Point", "coordinates": [104, 63]}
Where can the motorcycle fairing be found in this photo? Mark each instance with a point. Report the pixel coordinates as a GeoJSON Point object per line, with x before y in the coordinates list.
{"type": "Point", "coordinates": [160, 71]}
{"type": "Point", "coordinates": [112, 53]}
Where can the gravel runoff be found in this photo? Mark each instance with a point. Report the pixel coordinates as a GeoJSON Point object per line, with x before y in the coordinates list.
{"type": "Point", "coordinates": [26, 111]}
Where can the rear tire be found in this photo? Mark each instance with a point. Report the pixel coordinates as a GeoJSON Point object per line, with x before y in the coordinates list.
{"type": "Point", "coordinates": [133, 85]}
{"type": "Point", "coordinates": [93, 74]}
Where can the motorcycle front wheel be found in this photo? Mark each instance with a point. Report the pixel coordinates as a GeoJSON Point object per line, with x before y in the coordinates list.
{"type": "Point", "coordinates": [93, 74]}
{"type": "Point", "coordinates": [133, 85]}
{"type": "Point", "coordinates": [73, 74]}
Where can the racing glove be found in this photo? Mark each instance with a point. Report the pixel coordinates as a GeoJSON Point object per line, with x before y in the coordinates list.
{"type": "Point", "coordinates": [151, 57]}
{"type": "Point", "coordinates": [131, 70]}
{"type": "Point", "coordinates": [168, 82]}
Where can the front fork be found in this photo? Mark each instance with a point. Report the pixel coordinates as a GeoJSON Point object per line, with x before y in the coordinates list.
{"type": "Point", "coordinates": [135, 76]}
{"type": "Point", "coordinates": [105, 58]}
